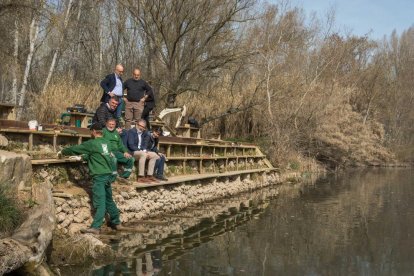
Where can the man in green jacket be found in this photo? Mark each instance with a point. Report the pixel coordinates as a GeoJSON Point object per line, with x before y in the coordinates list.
{"type": "Point", "coordinates": [117, 147]}
{"type": "Point", "coordinates": [102, 169]}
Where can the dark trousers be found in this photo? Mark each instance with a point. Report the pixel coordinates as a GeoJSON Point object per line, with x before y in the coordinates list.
{"type": "Point", "coordinates": [159, 166]}
{"type": "Point", "coordinates": [145, 116]}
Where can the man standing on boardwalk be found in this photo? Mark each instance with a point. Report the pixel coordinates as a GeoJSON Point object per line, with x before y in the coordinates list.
{"type": "Point", "coordinates": [112, 86]}
{"type": "Point", "coordinates": [102, 169]}
{"type": "Point", "coordinates": [138, 93]}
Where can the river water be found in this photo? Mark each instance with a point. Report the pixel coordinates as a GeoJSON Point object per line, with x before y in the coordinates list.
{"type": "Point", "coordinates": [359, 222]}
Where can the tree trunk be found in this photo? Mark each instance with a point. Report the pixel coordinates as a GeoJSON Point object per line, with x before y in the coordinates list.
{"type": "Point", "coordinates": [59, 46]}
{"type": "Point", "coordinates": [34, 29]}
{"type": "Point", "coordinates": [28, 244]}
{"type": "Point", "coordinates": [15, 57]}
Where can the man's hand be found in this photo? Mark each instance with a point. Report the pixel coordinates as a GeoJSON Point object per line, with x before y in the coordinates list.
{"type": "Point", "coordinates": [77, 158]}
{"type": "Point", "coordinates": [127, 155]}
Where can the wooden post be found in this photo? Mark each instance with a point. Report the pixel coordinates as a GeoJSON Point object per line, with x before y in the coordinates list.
{"type": "Point", "coordinates": [54, 142]}
{"type": "Point", "coordinates": [31, 141]}
{"type": "Point", "coordinates": [169, 151]}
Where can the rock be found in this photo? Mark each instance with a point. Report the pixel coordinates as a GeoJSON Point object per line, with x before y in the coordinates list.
{"type": "Point", "coordinates": [125, 195]}
{"type": "Point", "coordinates": [3, 141]}
{"type": "Point", "coordinates": [15, 169]}
{"type": "Point", "coordinates": [60, 217]}
{"type": "Point", "coordinates": [75, 228]}
{"type": "Point", "coordinates": [43, 173]}
{"type": "Point", "coordinates": [83, 214]}
{"type": "Point", "coordinates": [66, 208]}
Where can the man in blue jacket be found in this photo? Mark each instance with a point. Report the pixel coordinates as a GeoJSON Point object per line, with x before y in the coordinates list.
{"type": "Point", "coordinates": [112, 86]}
{"type": "Point", "coordinates": [137, 142]}
{"type": "Point", "coordinates": [152, 146]}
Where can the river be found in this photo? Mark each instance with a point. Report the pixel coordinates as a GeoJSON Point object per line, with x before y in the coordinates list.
{"type": "Point", "coordinates": [358, 222]}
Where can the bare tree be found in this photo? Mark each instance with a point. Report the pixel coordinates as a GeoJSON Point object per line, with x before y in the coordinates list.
{"type": "Point", "coordinates": [191, 40]}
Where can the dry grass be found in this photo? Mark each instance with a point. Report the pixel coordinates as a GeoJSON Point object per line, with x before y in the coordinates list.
{"type": "Point", "coordinates": [48, 107]}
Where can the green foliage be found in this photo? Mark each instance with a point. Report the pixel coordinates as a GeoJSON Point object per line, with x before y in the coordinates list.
{"type": "Point", "coordinates": [10, 214]}
{"type": "Point", "coordinates": [294, 165]}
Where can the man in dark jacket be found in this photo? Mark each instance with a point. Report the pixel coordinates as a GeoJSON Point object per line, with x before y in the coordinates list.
{"type": "Point", "coordinates": [138, 139]}
{"type": "Point", "coordinates": [139, 95]}
{"type": "Point", "coordinates": [152, 146]}
{"type": "Point", "coordinates": [104, 112]}
{"type": "Point", "coordinates": [112, 86]}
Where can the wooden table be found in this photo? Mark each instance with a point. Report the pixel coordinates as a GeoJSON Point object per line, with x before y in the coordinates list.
{"type": "Point", "coordinates": [85, 119]}
{"type": "Point", "coordinates": [8, 111]}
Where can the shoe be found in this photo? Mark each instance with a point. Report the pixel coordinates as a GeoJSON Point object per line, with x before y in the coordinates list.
{"type": "Point", "coordinates": [150, 178]}
{"type": "Point", "coordinates": [122, 180]}
{"type": "Point", "coordinates": [90, 231]}
{"type": "Point", "coordinates": [161, 177]}
{"type": "Point", "coordinates": [142, 179]}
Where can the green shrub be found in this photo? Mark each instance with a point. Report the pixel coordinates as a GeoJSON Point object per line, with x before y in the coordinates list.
{"type": "Point", "coordinates": [10, 213]}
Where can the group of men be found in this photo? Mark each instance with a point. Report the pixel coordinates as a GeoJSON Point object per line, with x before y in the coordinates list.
{"type": "Point", "coordinates": [113, 145]}
{"type": "Point", "coordinates": [138, 103]}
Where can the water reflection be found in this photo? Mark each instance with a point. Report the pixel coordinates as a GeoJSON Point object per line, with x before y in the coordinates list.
{"type": "Point", "coordinates": [357, 223]}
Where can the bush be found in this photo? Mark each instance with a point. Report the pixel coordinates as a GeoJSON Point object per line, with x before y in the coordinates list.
{"type": "Point", "coordinates": [10, 214]}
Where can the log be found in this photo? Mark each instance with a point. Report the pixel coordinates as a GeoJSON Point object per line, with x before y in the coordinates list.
{"type": "Point", "coordinates": [26, 247]}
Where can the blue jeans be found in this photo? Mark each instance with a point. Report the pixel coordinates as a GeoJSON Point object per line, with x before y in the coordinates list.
{"type": "Point", "coordinates": [118, 111]}
{"type": "Point", "coordinates": [159, 166]}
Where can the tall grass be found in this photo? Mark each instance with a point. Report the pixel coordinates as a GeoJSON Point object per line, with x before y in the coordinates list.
{"type": "Point", "coordinates": [10, 213]}
{"type": "Point", "coordinates": [47, 108]}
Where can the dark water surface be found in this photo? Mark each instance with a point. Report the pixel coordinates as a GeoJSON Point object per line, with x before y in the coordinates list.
{"type": "Point", "coordinates": [355, 223]}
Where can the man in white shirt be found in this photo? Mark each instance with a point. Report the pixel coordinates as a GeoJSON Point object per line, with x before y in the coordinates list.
{"type": "Point", "coordinates": [138, 138]}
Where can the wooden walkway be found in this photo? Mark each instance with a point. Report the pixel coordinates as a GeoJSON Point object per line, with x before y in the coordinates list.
{"type": "Point", "coordinates": [195, 177]}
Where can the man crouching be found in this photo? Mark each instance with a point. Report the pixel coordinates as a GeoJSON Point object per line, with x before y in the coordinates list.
{"type": "Point", "coordinates": [102, 169]}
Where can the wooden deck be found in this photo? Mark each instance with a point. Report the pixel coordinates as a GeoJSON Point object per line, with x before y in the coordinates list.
{"type": "Point", "coordinates": [187, 159]}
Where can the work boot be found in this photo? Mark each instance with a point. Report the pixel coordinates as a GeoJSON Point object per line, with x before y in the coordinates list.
{"type": "Point", "coordinates": [161, 177]}
{"type": "Point", "coordinates": [90, 231]}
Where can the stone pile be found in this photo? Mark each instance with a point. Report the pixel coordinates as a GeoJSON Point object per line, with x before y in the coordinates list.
{"type": "Point", "coordinates": [74, 213]}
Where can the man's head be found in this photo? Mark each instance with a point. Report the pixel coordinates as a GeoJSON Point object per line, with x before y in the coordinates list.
{"type": "Point", "coordinates": [141, 125]}
{"type": "Point", "coordinates": [136, 74]}
{"type": "Point", "coordinates": [157, 132]}
{"type": "Point", "coordinates": [113, 102]}
{"type": "Point", "coordinates": [119, 69]}
{"type": "Point", "coordinates": [96, 131]}
{"type": "Point", "coordinates": [110, 124]}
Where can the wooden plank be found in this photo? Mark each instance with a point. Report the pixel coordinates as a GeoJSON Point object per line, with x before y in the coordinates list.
{"type": "Point", "coordinates": [151, 222]}
{"type": "Point", "coordinates": [194, 177]}
{"type": "Point", "coordinates": [53, 161]}
{"type": "Point", "coordinates": [177, 216]}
